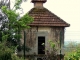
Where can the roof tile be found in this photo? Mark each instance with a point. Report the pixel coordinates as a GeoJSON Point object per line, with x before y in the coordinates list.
{"type": "Point", "coordinates": [43, 17]}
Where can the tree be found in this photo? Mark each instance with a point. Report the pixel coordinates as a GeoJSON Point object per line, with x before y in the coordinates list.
{"type": "Point", "coordinates": [14, 24]}
{"type": "Point", "coordinates": [11, 26]}
{"type": "Point", "coordinates": [5, 3]}
{"type": "Point", "coordinates": [72, 51]}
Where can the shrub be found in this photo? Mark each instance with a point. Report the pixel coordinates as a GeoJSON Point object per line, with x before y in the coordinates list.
{"type": "Point", "coordinates": [73, 53]}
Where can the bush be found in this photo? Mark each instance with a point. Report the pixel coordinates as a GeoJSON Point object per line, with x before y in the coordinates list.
{"type": "Point", "coordinates": [8, 55]}
{"type": "Point", "coordinates": [73, 53]}
{"type": "Point", "coordinates": [14, 57]}
{"type": "Point", "coordinates": [5, 55]}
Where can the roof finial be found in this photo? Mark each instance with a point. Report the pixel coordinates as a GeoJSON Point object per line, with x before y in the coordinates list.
{"type": "Point", "coordinates": [33, 1]}
{"type": "Point", "coordinates": [38, 3]}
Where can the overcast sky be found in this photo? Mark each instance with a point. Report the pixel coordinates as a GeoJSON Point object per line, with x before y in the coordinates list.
{"type": "Point", "coordinates": [68, 10]}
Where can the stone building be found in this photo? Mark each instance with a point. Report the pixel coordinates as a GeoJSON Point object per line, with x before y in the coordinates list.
{"type": "Point", "coordinates": [46, 26]}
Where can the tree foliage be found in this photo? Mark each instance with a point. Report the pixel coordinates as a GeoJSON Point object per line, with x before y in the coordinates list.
{"type": "Point", "coordinates": [72, 51]}
{"type": "Point", "coordinates": [14, 27]}
{"type": "Point", "coordinates": [7, 3]}
{"type": "Point", "coordinates": [11, 25]}
{"type": "Point", "coordinates": [4, 3]}
{"type": "Point", "coordinates": [18, 4]}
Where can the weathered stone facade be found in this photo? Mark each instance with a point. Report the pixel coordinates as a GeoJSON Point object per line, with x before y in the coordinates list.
{"type": "Point", "coordinates": [50, 33]}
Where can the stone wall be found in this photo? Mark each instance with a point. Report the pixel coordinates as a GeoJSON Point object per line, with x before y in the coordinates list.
{"type": "Point", "coordinates": [51, 33]}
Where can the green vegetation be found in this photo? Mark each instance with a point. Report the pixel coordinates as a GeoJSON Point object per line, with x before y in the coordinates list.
{"type": "Point", "coordinates": [7, 53]}
{"type": "Point", "coordinates": [72, 51]}
{"type": "Point", "coordinates": [10, 31]}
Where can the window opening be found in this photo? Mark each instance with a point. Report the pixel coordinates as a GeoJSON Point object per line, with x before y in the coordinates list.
{"type": "Point", "coordinates": [41, 45]}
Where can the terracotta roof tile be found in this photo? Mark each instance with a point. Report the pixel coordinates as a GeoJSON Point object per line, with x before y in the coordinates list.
{"type": "Point", "coordinates": [43, 17]}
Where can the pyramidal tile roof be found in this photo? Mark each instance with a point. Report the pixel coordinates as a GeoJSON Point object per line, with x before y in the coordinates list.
{"type": "Point", "coordinates": [43, 17]}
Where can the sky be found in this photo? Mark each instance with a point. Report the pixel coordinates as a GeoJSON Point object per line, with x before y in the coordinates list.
{"type": "Point", "coordinates": [68, 10]}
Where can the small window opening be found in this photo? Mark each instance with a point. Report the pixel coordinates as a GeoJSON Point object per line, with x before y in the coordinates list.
{"type": "Point", "coordinates": [41, 45]}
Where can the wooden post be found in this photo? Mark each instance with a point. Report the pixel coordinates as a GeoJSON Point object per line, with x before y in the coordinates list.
{"type": "Point", "coordinates": [24, 43]}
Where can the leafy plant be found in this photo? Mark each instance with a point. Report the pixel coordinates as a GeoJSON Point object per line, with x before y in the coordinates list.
{"type": "Point", "coordinates": [73, 53]}
{"type": "Point", "coordinates": [51, 55]}
{"type": "Point", "coordinates": [10, 31]}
